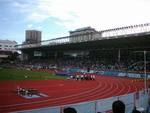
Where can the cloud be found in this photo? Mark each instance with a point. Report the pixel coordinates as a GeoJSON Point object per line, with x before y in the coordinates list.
{"type": "Point", "coordinates": [21, 7]}
{"type": "Point", "coordinates": [29, 26]}
{"type": "Point", "coordinates": [32, 26]}
{"type": "Point", "coordinates": [100, 14]}
{"type": "Point", "coordinates": [96, 13]}
{"type": "Point", "coordinates": [37, 17]}
{"type": "Point", "coordinates": [39, 27]}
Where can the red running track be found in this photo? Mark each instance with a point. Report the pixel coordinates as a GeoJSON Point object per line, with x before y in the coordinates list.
{"type": "Point", "coordinates": [62, 92]}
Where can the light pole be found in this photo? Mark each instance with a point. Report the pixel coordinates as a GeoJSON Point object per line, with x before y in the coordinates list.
{"type": "Point", "coordinates": [145, 73]}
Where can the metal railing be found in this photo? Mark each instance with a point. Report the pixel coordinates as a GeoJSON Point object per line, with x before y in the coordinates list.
{"type": "Point", "coordinates": [51, 42]}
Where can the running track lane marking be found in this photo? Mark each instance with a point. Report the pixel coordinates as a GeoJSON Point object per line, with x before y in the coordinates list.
{"type": "Point", "coordinates": [28, 103]}
{"type": "Point", "coordinates": [64, 96]}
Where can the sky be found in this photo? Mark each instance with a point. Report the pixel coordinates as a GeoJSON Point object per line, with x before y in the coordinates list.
{"type": "Point", "coordinates": [55, 18]}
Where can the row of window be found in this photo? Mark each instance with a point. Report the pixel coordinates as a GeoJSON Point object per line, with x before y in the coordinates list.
{"type": "Point", "coordinates": [6, 46]}
{"type": "Point", "coordinates": [86, 37]}
{"type": "Point", "coordinates": [7, 49]}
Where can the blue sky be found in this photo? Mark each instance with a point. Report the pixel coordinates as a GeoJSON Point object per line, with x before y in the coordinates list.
{"type": "Point", "coordinates": [56, 17]}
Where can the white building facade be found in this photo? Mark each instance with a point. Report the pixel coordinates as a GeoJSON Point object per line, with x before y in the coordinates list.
{"type": "Point", "coordinates": [84, 34]}
{"type": "Point", "coordinates": [6, 48]}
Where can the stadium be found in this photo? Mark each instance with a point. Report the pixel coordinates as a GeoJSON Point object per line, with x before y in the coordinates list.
{"type": "Point", "coordinates": [87, 70]}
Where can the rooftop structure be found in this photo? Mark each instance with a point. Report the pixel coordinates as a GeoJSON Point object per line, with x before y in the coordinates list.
{"type": "Point", "coordinates": [84, 34]}
{"type": "Point", "coordinates": [82, 31]}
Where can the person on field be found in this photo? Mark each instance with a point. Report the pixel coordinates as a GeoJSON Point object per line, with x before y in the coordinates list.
{"type": "Point", "coordinates": [118, 107]}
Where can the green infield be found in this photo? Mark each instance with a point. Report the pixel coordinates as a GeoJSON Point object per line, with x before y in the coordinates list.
{"type": "Point", "coordinates": [17, 74]}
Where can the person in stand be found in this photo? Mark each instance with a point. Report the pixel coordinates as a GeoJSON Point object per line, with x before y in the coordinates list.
{"type": "Point", "coordinates": [135, 110]}
{"type": "Point", "coordinates": [118, 107]}
{"type": "Point", "coordinates": [69, 110]}
{"type": "Point", "coordinates": [88, 69]}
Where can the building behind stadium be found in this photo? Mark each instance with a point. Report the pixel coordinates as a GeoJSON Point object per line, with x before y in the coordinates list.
{"type": "Point", "coordinates": [32, 36]}
{"type": "Point", "coordinates": [7, 47]}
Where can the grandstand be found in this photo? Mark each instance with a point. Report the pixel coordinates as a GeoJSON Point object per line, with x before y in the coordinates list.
{"type": "Point", "coordinates": [107, 46]}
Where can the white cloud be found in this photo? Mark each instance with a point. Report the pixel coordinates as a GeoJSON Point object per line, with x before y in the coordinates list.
{"type": "Point", "coordinates": [100, 14]}
{"type": "Point", "coordinates": [96, 13]}
{"type": "Point", "coordinates": [21, 7]}
{"type": "Point", "coordinates": [39, 27]}
{"type": "Point", "coordinates": [37, 17]}
{"type": "Point", "coordinates": [29, 26]}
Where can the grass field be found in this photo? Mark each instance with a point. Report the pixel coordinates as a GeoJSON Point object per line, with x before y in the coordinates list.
{"type": "Point", "coordinates": [17, 74]}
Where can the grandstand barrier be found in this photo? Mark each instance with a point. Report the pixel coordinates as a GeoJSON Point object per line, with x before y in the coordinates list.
{"type": "Point", "coordinates": [88, 107]}
{"type": "Point", "coordinates": [42, 110]}
{"type": "Point", "coordinates": [123, 74]}
{"type": "Point", "coordinates": [138, 99]}
{"type": "Point", "coordinates": [108, 73]}
{"type": "Point", "coordinates": [62, 73]}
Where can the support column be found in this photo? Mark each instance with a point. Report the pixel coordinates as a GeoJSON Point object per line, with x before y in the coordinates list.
{"type": "Point", "coordinates": [119, 56]}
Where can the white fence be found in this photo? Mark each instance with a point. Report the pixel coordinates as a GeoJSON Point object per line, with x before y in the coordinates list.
{"type": "Point", "coordinates": [138, 99]}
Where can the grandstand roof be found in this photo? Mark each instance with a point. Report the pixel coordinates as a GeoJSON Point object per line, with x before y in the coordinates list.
{"type": "Point", "coordinates": [130, 42]}
{"type": "Point", "coordinates": [136, 36]}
